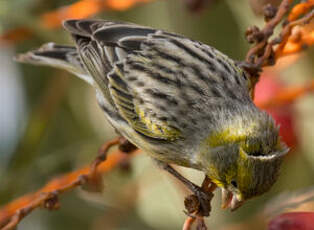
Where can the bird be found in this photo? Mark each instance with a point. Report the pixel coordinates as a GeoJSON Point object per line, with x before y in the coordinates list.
{"type": "Point", "coordinates": [181, 101]}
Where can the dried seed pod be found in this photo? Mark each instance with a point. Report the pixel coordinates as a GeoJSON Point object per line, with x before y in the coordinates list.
{"type": "Point", "coordinates": [257, 5]}
{"type": "Point", "coordinates": [269, 11]}
{"type": "Point", "coordinates": [253, 34]}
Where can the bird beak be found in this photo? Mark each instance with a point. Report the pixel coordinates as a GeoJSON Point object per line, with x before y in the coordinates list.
{"type": "Point", "coordinates": [235, 203]}
{"type": "Point", "coordinates": [226, 198]}
{"type": "Point", "coordinates": [230, 200]}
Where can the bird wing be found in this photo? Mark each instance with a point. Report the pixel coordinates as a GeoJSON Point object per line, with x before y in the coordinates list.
{"type": "Point", "coordinates": [157, 81]}
{"type": "Point", "coordinates": [103, 46]}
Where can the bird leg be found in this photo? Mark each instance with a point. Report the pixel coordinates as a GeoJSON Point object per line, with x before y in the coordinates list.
{"type": "Point", "coordinates": [199, 201]}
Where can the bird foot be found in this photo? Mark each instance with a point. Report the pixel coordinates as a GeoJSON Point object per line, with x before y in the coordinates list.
{"type": "Point", "coordinates": [199, 202]}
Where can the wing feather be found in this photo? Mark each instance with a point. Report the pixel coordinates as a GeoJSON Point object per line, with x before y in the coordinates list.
{"type": "Point", "coordinates": [126, 102]}
{"type": "Point", "coordinates": [151, 77]}
{"type": "Point", "coordinates": [104, 46]}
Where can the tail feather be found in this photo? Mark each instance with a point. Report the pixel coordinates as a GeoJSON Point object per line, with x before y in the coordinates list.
{"type": "Point", "coordinates": [60, 56]}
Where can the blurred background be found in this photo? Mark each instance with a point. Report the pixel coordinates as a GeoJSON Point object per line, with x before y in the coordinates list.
{"type": "Point", "coordinates": [50, 122]}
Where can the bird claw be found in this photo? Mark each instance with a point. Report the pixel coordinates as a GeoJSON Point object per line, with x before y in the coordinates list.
{"type": "Point", "coordinates": [205, 200]}
{"type": "Point", "coordinates": [199, 202]}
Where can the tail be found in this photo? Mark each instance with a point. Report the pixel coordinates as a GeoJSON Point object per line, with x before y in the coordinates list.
{"type": "Point", "coordinates": [60, 56]}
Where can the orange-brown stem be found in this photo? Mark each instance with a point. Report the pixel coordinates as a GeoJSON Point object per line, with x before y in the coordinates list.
{"type": "Point", "coordinates": [12, 213]}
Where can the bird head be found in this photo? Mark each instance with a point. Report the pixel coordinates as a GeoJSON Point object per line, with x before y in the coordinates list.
{"type": "Point", "coordinates": [244, 161]}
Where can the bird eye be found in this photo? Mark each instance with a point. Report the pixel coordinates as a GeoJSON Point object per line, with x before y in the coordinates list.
{"type": "Point", "coordinates": [234, 183]}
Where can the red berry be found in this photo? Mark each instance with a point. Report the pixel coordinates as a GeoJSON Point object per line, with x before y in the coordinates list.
{"type": "Point", "coordinates": [293, 221]}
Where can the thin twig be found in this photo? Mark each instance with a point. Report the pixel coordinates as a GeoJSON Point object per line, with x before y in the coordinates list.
{"type": "Point", "coordinates": [268, 30]}
{"type": "Point", "coordinates": [188, 223]}
{"type": "Point", "coordinates": [286, 32]}
{"type": "Point", "coordinates": [265, 52]}
{"type": "Point", "coordinates": [47, 197]}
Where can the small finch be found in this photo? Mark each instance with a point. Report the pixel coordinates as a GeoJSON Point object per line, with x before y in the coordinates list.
{"type": "Point", "coordinates": [179, 100]}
